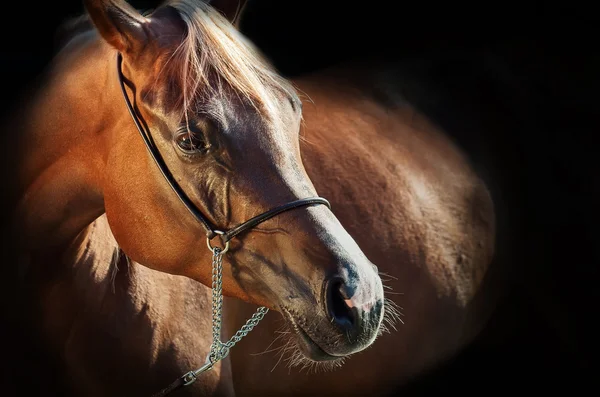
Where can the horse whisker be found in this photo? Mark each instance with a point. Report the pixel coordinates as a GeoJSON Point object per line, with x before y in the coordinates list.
{"type": "Point", "coordinates": [387, 275]}
{"type": "Point", "coordinates": [268, 347]}
{"type": "Point", "coordinates": [283, 350]}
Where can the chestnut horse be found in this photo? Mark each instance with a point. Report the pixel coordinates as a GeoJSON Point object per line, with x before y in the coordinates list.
{"type": "Point", "coordinates": [115, 273]}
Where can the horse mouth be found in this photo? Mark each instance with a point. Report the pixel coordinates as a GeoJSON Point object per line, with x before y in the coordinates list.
{"type": "Point", "coordinates": [306, 344]}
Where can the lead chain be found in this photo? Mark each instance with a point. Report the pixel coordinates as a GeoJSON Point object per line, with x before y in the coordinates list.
{"type": "Point", "coordinates": [219, 350]}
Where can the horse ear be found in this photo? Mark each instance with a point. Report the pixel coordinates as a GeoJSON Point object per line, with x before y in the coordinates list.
{"type": "Point", "coordinates": [118, 23]}
{"type": "Point", "coordinates": [231, 9]}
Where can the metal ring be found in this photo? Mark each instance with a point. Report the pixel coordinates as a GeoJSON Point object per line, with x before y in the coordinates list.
{"type": "Point", "coordinates": [210, 247]}
{"type": "Point", "coordinates": [189, 378]}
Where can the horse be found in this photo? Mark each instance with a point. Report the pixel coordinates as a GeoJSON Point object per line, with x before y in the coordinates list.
{"type": "Point", "coordinates": [114, 270]}
{"type": "Point", "coordinates": [410, 197]}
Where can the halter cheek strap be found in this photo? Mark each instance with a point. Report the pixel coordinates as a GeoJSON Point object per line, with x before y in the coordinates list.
{"type": "Point", "coordinates": [211, 230]}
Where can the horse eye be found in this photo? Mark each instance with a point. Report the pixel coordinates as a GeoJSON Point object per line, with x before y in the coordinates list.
{"type": "Point", "coordinates": [191, 142]}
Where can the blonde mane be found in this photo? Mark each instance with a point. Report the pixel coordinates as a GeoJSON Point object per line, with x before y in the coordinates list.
{"type": "Point", "coordinates": [214, 57]}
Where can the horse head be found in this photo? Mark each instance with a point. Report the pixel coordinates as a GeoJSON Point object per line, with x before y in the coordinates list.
{"type": "Point", "coordinates": [227, 127]}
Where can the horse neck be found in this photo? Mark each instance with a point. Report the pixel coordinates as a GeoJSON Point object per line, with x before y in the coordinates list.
{"type": "Point", "coordinates": [67, 252]}
{"type": "Point", "coordinates": [61, 142]}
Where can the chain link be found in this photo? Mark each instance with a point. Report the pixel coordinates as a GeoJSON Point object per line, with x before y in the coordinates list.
{"type": "Point", "coordinates": [219, 350]}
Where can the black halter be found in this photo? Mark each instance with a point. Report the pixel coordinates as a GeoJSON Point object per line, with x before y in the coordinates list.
{"type": "Point", "coordinates": [211, 230]}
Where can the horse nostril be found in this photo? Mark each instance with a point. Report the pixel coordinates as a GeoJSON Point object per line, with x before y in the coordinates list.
{"type": "Point", "coordinates": [343, 314]}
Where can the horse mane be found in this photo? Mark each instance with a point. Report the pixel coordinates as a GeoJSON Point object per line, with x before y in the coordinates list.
{"type": "Point", "coordinates": [216, 57]}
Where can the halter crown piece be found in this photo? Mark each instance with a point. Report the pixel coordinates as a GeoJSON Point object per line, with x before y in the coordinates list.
{"type": "Point", "coordinates": [218, 349]}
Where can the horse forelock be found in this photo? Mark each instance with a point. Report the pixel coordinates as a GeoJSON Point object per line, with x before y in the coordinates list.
{"type": "Point", "coordinates": [215, 59]}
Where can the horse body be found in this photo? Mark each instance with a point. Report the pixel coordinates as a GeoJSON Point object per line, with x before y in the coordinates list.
{"type": "Point", "coordinates": [402, 190]}
{"type": "Point", "coordinates": [410, 198]}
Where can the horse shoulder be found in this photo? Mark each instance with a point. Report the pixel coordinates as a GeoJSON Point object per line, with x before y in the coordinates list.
{"type": "Point", "coordinates": [141, 321]}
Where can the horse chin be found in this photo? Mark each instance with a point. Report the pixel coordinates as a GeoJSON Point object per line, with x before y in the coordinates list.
{"type": "Point", "coordinates": [308, 353]}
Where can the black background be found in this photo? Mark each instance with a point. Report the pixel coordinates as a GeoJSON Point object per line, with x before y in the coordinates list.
{"type": "Point", "coordinates": [538, 65]}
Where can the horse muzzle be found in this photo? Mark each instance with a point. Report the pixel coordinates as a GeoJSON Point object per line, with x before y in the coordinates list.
{"type": "Point", "coordinates": [346, 322]}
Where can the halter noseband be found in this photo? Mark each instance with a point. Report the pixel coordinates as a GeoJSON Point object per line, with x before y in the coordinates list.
{"type": "Point", "coordinates": [211, 230]}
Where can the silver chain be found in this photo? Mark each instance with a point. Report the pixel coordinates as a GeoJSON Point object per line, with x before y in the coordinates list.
{"type": "Point", "coordinates": [218, 349]}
